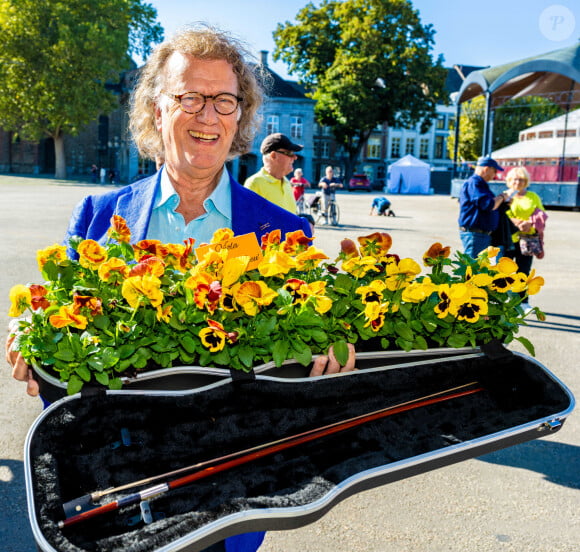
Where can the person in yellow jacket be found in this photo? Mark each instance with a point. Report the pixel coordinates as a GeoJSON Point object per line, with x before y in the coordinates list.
{"type": "Point", "coordinates": [278, 155]}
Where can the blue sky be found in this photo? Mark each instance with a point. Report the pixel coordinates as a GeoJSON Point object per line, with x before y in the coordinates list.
{"type": "Point", "coordinates": [486, 33]}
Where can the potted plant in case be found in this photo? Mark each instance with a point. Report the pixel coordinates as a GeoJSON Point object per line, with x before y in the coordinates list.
{"type": "Point", "coordinates": [121, 309]}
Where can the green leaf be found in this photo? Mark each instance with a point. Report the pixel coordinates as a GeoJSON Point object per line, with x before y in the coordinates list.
{"type": "Point", "coordinates": [457, 340]}
{"type": "Point", "coordinates": [340, 349]}
{"type": "Point", "coordinates": [246, 355]}
{"type": "Point", "coordinates": [280, 351]}
{"type": "Point", "coordinates": [528, 345]}
{"type": "Point", "coordinates": [102, 378]}
{"type": "Point", "coordinates": [126, 350]}
{"type": "Point", "coordinates": [65, 354]}
{"type": "Point", "coordinates": [74, 385]}
{"type": "Point", "coordinates": [343, 282]}
{"type": "Point", "coordinates": [404, 331]}
{"type": "Point", "coordinates": [115, 384]}
{"type": "Point", "coordinates": [96, 363]}
{"type": "Point", "coordinates": [84, 373]}
{"type": "Point", "coordinates": [420, 343]}
{"type": "Point", "coordinates": [404, 344]}
{"type": "Point", "coordinates": [110, 357]}
{"type": "Point", "coordinates": [304, 355]}
{"type": "Point", "coordinates": [101, 322]}
{"type": "Point", "coordinates": [188, 343]}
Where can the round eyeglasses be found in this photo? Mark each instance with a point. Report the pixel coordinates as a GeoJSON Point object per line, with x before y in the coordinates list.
{"type": "Point", "coordinates": [194, 102]}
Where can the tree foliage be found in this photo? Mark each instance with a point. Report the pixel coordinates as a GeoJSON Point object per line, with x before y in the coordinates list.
{"type": "Point", "coordinates": [366, 62]}
{"type": "Point", "coordinates": [509, 119]}
{"type": "Point", "coordinates": [56, 57]}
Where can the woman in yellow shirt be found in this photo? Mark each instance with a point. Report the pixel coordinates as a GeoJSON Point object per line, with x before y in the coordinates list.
{"type": "Point", "coordinates": [527, 214]}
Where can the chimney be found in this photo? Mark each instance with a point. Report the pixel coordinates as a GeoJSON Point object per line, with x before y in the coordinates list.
{"type": "Point", "coordinates": [264, 57]}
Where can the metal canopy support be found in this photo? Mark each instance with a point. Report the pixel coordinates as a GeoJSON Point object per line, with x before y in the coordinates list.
{"type": "Point", "coordinates": [487, 127]}
{"type": "Point", "coordinates": [456, 144]}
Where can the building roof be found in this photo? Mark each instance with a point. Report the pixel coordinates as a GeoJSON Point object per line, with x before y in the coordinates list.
{"type": "Point", "coordinates": [557, 123]}
{"type": "Point", "coordinates": [539, 148]}
{"type": "Point", "coordinates": [542, 148]}
{"type": "Point", "coordinates": [276, 86]}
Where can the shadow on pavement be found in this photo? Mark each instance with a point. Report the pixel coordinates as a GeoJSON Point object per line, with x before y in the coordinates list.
{"type": "Point", "coordinates": [572, 326]}
{"type": "Point", "coordinates": [558, 462]}
{"type": "Point", "coordinates": [15, 532]}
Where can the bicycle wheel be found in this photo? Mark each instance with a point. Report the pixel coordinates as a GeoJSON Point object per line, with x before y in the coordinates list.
{"type": "Point", "coordinates": [333, 213]}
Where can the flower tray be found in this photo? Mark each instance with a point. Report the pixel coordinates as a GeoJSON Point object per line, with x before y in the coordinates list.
{"type": "Point", "coordinates": [106, 439]}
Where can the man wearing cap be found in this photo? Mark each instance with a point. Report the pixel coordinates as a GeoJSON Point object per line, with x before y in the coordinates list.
{"type": "Point", "coordinates": [278, 155]}
{"type": "Point", "coordinates": [478, 214]}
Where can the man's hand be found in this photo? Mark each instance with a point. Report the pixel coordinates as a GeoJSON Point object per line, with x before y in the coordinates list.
{"type": "Point", "coordinates": [327, 364]}
{"type": "Point", "coordinates": [20, 370]}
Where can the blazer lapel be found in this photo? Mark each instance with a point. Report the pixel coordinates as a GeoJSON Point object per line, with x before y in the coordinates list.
{"type": "Point", "coordinates": [136, 206]}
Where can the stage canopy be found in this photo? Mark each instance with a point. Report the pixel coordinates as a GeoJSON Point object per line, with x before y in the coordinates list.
{"type": "Point", "coordinates": [554, 75]}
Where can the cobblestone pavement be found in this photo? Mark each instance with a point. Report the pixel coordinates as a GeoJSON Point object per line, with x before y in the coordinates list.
{"type": "Point", "coordinates": [522, 499]}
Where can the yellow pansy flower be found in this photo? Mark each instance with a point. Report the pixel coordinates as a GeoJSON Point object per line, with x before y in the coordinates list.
{"type": "Point", "coordinates": [136, 289]}
{"type": "Point", "coordinates": [20, 299]}
{"type": "Point", "coordinates": [472, 307]}
{"type": "Point", "coordinates": [373, 293]}
{"type": "Point", "coordinates": [55, 253]}
{"type": "Point", "coordinates": [276, 263]}
{"type": "Point", "coordinates": [400, 273]}
{"type": "Point", "coordinates": [67, 316]}
{"type": "Point", "coordinates": [91, 254]}
{"type": "Point", "coordinates": [415, 292]}
{"type": "Point", "coordinates": [253, 295]}
{"type": "Point", "coordinates": [359, 266]}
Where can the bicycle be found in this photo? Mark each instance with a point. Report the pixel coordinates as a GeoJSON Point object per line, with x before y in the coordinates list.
{"type": "Point", "coordinates": [314, 207]}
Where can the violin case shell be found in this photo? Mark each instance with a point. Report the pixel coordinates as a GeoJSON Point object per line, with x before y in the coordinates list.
{"type": "Point", "coordinates": [99, 440]}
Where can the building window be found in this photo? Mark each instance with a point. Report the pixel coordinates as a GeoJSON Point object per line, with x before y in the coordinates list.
{"type": "Point", "coordinates": [326, 131]}
{"type": "Point", "coordinates": [317, 149]}
{"type": "Point", "coordinates": [325, 149]}
{"type": "Point", "coordinates": [374, 148]}
{"type": "Point", "coordinates": [395, 148]}
{"type": "Point", "coordinates": [569, 132]}
{"type": "Point", "coordinates": [440, 150]}
{"type": "Point", "coordinates": [424, 148]}
{"type": "Point", "coordinates": [273, 124]}
{"type": "Point", "coordinates": [410, 146]}
{"type": "Point", "coordinates": [546, 134]}
{"type": "Point", "coordinates": [296, 127]}
{"type": "Point", "coordinates": [440, 123]}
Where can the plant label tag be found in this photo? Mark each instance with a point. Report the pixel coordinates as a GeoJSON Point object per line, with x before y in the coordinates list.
{"type": "Point", "coordinates": [238, 246]}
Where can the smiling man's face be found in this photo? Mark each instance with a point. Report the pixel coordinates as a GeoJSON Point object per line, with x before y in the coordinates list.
{"type": "Point", "coordinates": [196, 145]}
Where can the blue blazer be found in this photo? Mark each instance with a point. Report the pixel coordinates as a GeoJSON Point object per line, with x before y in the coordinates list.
{"type": "Point", "coordinates": [91, 218]}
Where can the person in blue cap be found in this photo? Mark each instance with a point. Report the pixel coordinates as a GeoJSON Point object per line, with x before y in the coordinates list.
{"type": "Point", "coordinates": [478, 207]}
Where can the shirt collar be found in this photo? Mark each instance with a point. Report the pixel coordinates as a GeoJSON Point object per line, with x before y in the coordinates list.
{"type": "Point", "coordinates": [265, 174]}
{"type": "Point", "coordinates": [219, 199]}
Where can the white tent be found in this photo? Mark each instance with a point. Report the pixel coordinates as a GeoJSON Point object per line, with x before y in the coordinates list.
{"type": "Point", "coordinates": [409, 175]}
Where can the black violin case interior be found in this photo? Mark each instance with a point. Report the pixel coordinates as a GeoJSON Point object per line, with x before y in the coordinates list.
{"type": "Point", "coordinates": [91, 442]}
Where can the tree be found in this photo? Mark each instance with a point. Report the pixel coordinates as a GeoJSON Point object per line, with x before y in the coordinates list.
{"type": "Point", "coordinates": [56, 57]}
{"type": "Point", "coordinates": [366, 62]}
{"type": "Point", "coordinates": [509, 119]}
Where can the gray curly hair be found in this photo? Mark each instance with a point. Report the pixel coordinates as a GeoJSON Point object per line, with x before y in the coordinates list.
{"type": "Point", "coordinates": [203, 42]}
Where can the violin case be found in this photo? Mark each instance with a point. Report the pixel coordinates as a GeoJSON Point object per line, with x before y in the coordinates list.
{"type": "Point", "coordinates": [100, 440]}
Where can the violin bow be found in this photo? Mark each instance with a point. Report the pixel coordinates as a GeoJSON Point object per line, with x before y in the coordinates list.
{"type": "Point", "coordinates": [216, 465]}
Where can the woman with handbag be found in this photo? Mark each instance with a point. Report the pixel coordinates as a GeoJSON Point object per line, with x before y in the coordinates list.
{"type": "Point", "coordinates": [527, 214]}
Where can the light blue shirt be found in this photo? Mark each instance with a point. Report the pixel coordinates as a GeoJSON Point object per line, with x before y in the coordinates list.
{"type": "Point", "coordinates": [169, 226]}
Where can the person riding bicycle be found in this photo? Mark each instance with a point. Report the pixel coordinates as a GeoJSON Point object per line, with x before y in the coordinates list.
{"type": "Point", "coordinates": [328, 184]}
